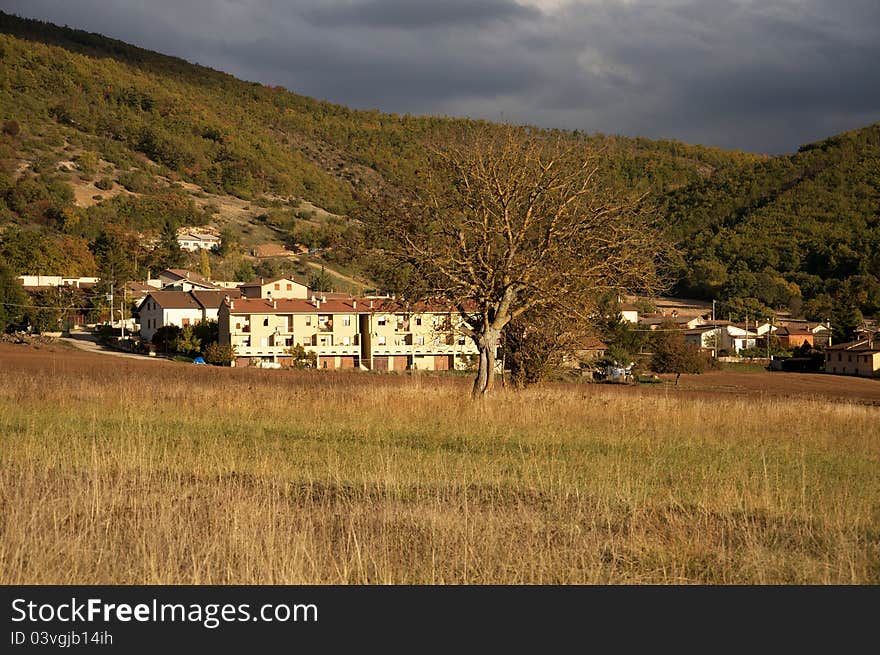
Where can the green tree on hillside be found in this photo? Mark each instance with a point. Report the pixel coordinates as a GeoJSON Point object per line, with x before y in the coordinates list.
{"type": "Point", "coordinates": [12, 298]}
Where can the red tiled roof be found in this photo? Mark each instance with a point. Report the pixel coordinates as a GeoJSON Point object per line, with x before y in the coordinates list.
{"type": "Point", "coordinates": [333, 305]}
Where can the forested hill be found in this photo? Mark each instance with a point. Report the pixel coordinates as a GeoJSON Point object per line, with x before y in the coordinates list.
{"type": "Point", "coordinates": [802, 230]}
{"type": "Point", "coordinates": [103, 142]}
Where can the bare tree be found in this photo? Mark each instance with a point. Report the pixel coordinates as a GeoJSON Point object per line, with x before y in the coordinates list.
{"type": "Point", "coordinates": [510, 221]}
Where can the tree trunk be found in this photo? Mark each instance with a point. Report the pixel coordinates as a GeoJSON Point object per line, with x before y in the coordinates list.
{"type": "Point", "coordinates": [487, 344]}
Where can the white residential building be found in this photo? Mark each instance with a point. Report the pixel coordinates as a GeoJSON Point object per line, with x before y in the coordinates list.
{"type": "Point", "coordinates": [180, 308]}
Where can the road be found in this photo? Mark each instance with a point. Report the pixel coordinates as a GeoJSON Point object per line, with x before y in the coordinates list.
{"type": "Point", "coordinates": [88, 341]}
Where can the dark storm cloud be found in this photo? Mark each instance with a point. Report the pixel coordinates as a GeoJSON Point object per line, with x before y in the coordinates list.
{"type": "Point", "coordinates": [758, 75]}
{"type": "Point", "coordinates": [408, 14]}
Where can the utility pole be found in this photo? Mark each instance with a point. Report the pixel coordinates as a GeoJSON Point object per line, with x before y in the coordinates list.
{"type": "Point", "coordinates": [122, 315]}
{"type": "Point", "coordinates": [111, 304]}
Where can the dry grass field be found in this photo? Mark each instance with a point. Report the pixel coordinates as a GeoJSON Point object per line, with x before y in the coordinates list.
{"type": "Point", "coordinates": [121, 471]}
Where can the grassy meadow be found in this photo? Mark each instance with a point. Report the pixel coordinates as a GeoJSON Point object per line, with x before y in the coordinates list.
{"type": "Point", "coordinates": [122, 471]}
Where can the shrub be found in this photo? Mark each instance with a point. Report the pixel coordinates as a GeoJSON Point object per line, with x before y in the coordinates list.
{"type": "Point", "coordinates": [219, 355]}
{"type": "Point", "coordinates": [105, 184]}
{"type": "Point", "coordinates": [302, 358]}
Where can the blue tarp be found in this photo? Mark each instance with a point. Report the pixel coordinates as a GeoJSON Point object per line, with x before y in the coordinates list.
{"type": "Point", "coordinates": [199, 360]}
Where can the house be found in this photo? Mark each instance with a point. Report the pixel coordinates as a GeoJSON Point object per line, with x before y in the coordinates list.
{"type": "Point", "coordinates": [180, 308]}
{"type": "Point", "coordinates": [35, 282]}
{"type": "Point", "coordinates": [590, 348]}
{"type": "Point", "coordinates": [374, 334]}
{"type": "Point", "coordinates": [860, 358]}
{"type": "Point", "coordinates": [794, 336]}
{"type": "Point", "coordinates": [629, 313]}
{"type": "Point", "coordinates": [721, 335]}
{"type": "Point", "coordinates": [193, 240]}
{"type": "Point", "coordinates": [279, 287]}
{"type": "Point", "coordinates": [180, 279]}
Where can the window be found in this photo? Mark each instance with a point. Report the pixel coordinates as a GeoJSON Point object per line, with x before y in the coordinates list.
{"type": "Point", "coordinates": [266, 322]}
{"type": "Point", "coordinates": [290, 287]}
{"type": "Point", "coordinates": [380, 321]}
{"type": "Point", "coordinates": [308, 320]}
{"type": "Point", "coordinates": [380, 341]}
{"type": "Point", "coordinates": [277, 287]}
{"type": "Point", "coordinates": [346, 321]}
{"type": "Point", "coordinates": [346, 341]}
{"type": "Point", "coordinates": [184, 322]}
{"type": "Point", "coordinates": [420, 340]}
{"type": "Point", "coordinates": [418, 320]}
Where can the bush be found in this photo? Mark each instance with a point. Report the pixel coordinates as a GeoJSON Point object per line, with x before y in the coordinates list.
{"type": "Point", "coordinates": [219, 355]}
{"type": "Point", "coordinates": [302, 358]}
{"type": "Point", "coordinates": [105, 184]}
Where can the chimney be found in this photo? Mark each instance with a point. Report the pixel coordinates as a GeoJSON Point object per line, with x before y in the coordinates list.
{"type": "Point", "coordinates": [318, 304]}
{"type": "Point", "coordinates": [313, 297]}
{"type": "Point", "coordinates": [323, 298]}
{"type": "Point", "coordinates": [274, 304]}
{"type": "Point", "coordinates": [354, 304]}
{"type": "Point", "coordinates": [231, 304]}
{"type": "Point", "coordinates": [371, 304]}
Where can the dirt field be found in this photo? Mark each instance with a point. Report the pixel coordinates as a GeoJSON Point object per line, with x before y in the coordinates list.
{"type": "Point", "coordinates": [775, 384]}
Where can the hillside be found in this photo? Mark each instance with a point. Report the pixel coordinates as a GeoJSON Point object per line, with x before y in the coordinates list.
{"type": "Point", "coordinates": [104, 145]}
{"type": "Point", "coordinates": [98, 132]}
{"type": "Point", "coordinates": [800, 230]}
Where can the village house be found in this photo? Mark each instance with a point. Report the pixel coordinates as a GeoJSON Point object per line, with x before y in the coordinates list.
{"type": "Point", "coordinates": [279, 287]}
{"type": "Point", "coordinates": [629, 313]}
{"type": "Point", "coordinates": [860, 358]}
{"type": "Point", "coordinates": [723, 335]}
{"type": "Point", "coordinates": [193, 240]}
{"type": "Point", "coordinates": [794, 336]}
{"type": "Point", "coordinates": [35, 282]}
{"type": "Point", "coordinates": [180, 279]}
{"type": "Point", "coordinates": [180, 308]}
{"type": "Point", "coordinates": [371, 334]}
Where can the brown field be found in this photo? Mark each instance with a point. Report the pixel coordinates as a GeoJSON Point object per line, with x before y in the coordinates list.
{"type": "Point", "coordinates": [124, 471]}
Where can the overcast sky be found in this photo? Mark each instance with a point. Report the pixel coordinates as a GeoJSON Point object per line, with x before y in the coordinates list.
{"type": "Point", "coordinates": [760, 75]}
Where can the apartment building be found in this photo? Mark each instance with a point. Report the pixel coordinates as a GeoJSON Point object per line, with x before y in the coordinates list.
{"type": "Point", "coordinates": [370, 334]}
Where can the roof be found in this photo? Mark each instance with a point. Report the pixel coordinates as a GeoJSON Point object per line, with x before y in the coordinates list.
{"type": "Point", "coordinates": [174, 299]}
{"type": "Point", "coordinates": [862, 345]}
{"type": "Point", "coordinates": [659, 320]}
{"type": "Point", "coordinates": [213, 299]}
{"type": "Point", "coordinates": [702, 329]}
{"type": "Point", "coordinates": [261, 282]}
{"type": "Point", "coordinates": [192, 299]}
{"type": "Point", "coordinates": [593, 343]}
{"type": "Point", "coordinates": [338, 305]}
{"type": "Point", "coordinates": [189, 276]}
{"type": "Point", "coordinates": [791, 330]}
